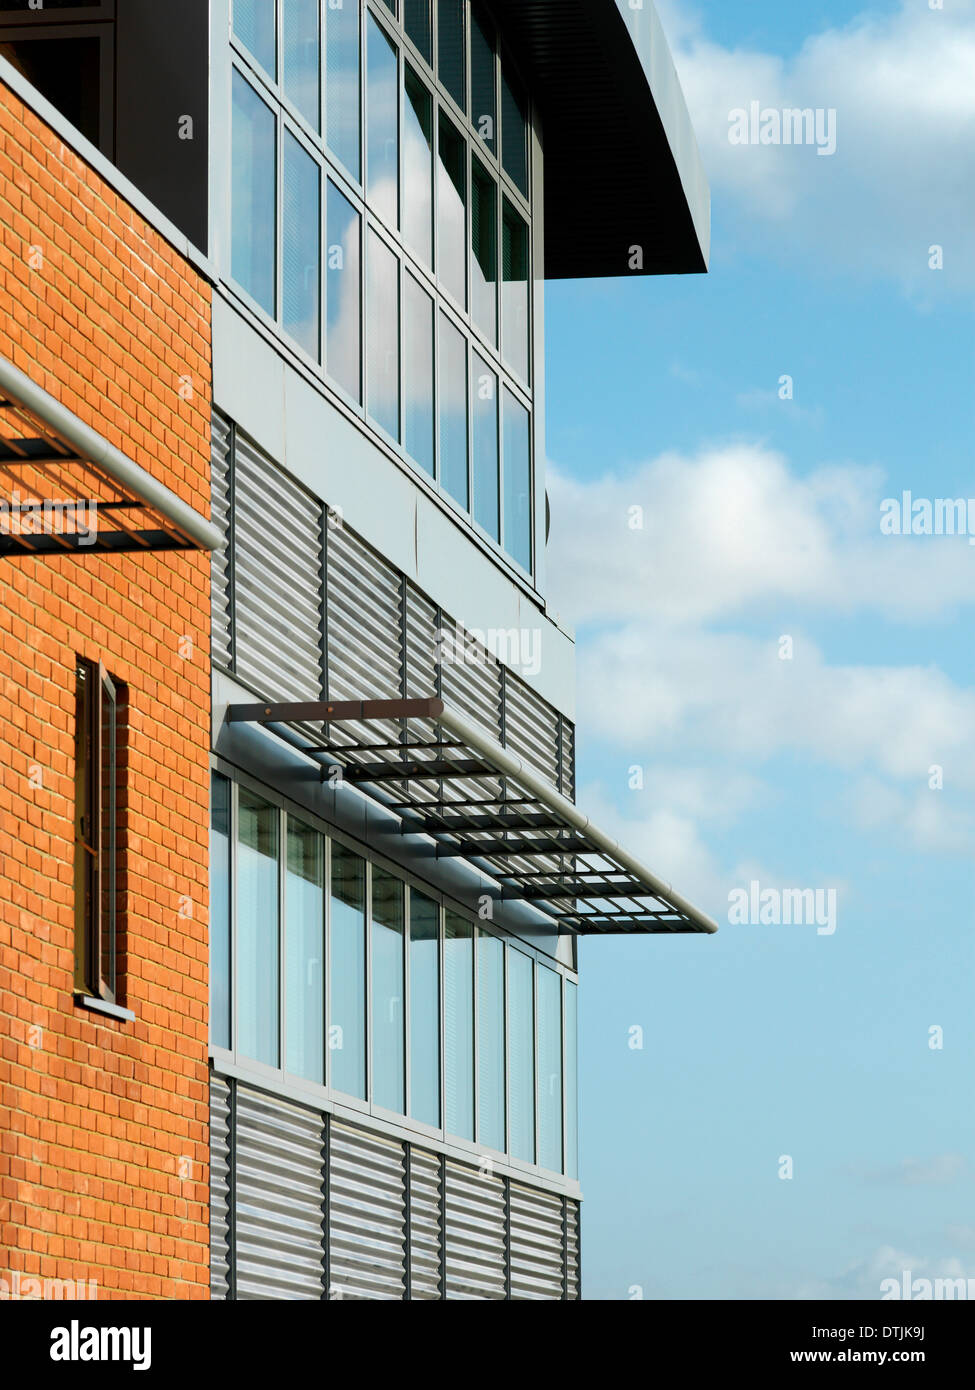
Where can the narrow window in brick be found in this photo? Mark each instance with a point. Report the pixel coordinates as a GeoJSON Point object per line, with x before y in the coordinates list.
{"type": "Point", "coordinates": [99, 765]}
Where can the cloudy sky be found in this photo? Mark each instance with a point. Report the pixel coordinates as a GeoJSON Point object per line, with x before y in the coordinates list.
{"type": "Point", "coordinates": [712, 528]}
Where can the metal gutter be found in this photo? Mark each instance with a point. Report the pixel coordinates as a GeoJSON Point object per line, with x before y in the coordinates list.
{"type": "Point", "coordinates": [92, 447]}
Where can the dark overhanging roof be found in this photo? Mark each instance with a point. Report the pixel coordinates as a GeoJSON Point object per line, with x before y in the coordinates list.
{"type": "Point", "coordinates": [446, 779]}
{"type": "Point", "coordinates": [622, 168]}
{"type": "Point", "coordinates": [65, 490]}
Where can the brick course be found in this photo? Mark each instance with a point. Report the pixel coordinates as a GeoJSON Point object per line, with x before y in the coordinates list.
{"type": "Point", "coordinates": [99, 1118]}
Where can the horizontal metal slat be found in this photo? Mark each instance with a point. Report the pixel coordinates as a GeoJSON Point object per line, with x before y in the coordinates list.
{"type": "Point", "coordinates": [474, 1245]}
{"type": "Point", "coordinates": [279, 1223]}
{"type": "Point", "coordinates": [220, 638]}
{"type": "Point", "coordinates": [219, 1188]}
{"type": "Point", "coordinates": [536, 1243]}
{"type": "Point", "coordinates": [426, 1228]}
{"type": "Point", "coordinates": [367, 1237]}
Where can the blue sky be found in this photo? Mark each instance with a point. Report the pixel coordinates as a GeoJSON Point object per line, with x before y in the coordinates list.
{"type": "Point", "coordinates": [762, 520]}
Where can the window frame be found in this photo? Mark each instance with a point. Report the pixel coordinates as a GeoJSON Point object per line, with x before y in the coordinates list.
{"type": "Point", "coordinates": [101, 865]}
{"type": "Point", "coordinates": [312, 1092]}
{"type": "Point", "coordinates": [289, 120]}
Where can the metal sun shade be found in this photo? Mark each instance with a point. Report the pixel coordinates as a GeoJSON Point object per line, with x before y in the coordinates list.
{"type": "Point", "coordinates": [447, 779]}
{"type": "Point", "coordinates": [53, 467]}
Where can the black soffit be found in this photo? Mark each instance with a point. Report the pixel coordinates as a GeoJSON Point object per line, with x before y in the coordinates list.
{"type": "Point", "coordinates": [446, 779]}
{"type": "Point", "coordinates": [613, 178]}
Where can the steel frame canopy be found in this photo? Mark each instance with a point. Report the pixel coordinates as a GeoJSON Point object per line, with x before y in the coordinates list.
{"type": "Point", "coordinates": [55, 469]}
{"type": "Point", "coordinates": [446, 779]}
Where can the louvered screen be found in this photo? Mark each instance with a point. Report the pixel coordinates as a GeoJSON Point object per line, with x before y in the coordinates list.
{"type": "Point", "coordinates": [532, 728]}
{"type": "Point", "coordinates": [219, 1188]}
{"type": "Point", "coordinates": [536, 1243]}
{"type": "Point", "coordinates": [573, 1272]}
{"type": "Point", "coordinates": [365, 631]}
{"type": "Point", "coordinates": [278, 580]}
{"type": "Point", "coordinates": [474, 1237]}
{"type": "Point", "coordinates": [278, 1217]}
{"type": "Point", "coordinates": [568, 787]}
{"type": "Point", "coordinates": [220, 440]}
{"type": "Point", "coordinates": [425, 1227]}
{"type": "Point", "coordinates": [367, 1239]}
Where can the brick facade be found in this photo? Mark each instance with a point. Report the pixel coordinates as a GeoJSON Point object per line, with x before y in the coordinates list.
{"type": "Point", "coordinates": [103, 1123]}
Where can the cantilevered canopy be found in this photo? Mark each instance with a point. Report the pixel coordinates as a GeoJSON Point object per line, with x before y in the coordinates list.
{"type": "Point", "coordinates": [622, 167]}
{"type": "Point", "coordinates": [66, 490]}
{"type": "Point", "coordinates": [448, 780]}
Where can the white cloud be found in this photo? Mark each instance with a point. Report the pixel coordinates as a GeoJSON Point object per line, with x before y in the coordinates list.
{"type": "Point", "coordinates": [937, 1171]}
{"type": "Point", "coordinates": [903, 174]}
{"type": "Point", "coordinates": [733, 526]}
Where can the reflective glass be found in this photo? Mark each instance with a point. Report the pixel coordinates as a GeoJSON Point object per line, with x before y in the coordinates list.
{"type": "Point", "coordinates": [514, 292]}
{"type": "Point", "coordinates": [382, 335]}
{"type": "Point", "coordinates": [382, 117]}
{"type": "Point", "coordinates": [388, 1010]}
{"type": "Point", "coordinates": [517, 482]}
{"type": "Point", "coordinates": [521, 1056]}
{"type": "Point", "coordinates": [254, 26]}
{"type": "Point", "coordinates": [220, 911]}
{"type": "Point", "coordinates": [451, 60]}
{"type": "Point", "coordinates": [342, 82]}
{"type": "Point", "coordinates": [453, 412]}
{"type": "Point", "coordinates": [571, 1080]}
{"type": "Point", "coordinates": [418, 370]}
{"type": "Point", "coordinates": [347, 987]}
{"type": "Point", "coordinates": [514, 131]}
{"type": "Point", "coordinates": [486, 485]}
{"type": "Point", "coordinates": [418, 169]}
{"type": "Point", "coordinates": [452, 211]}
{"type": "Point", "coordinates": [484, 102]}
{"type": "Point", "coordinates": [549, 1069]}
{"type": "Point", "coordinates": [424, 1009]}
{"type": "Point", "coordinates": [301, 288]}
{"type": "Point", "coordinates": [459, 1026]}
{"type": "Point", "coordinates": [253, 194]}
{"type": "Point", "coordinates": [302, 62]}
{"type": "Point", "coordinates": [490, 1041]}
{"type": "Point", "coordinates": [257, 929]}
{"type": "Point", "coordinates": [304, 978]}
{"type": "Point", "coordinates": [344, 343]}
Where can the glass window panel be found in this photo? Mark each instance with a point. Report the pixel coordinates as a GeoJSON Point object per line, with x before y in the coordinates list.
{"type": "Point", "coordinates": [220, 911]}
{"type": "Point", "coordinates": [382, 335]}
{"type": "Point", "coordinates": [419, 27]}
{"type": "Point", "coordinates": [549, 1069]}
{"type": "Point", "coordinates": [487, 506]}
{"type": "Point", "coordinates": [517, 482]}
{"type": "Point", "coordinates": [382, 125]}
{"type": "Point", "coordinates": [514, 291]}
{"type": "Point", "coordinates": [252, 194]}
{"type": "Point", "coordinates": [347, 988]}
{"type": "Point", "coordinates": [521, 1056]}
{"type": "Point", "coordinates": [418, 168]}
{"type": "Point", "coordinates": [484, 244]}
{"type": "Point", "coordinates": [254, 26]}
{"type": "Point", "coordinates": [452, 211]}
{"type": "Point", "coordinates": [304, 935]}
{"type": "Point", "coordinates": [301, 290]}
{"type": "Point", "coordinates": [453, 412]}
{"type": "Point", "coordinates": [424, 1009]}
{"type": "Point", "coordinates": [257, 929]}
{"type": "Point", "coordinates": [459, 1026]}
{"type": "Point", "coordinates": [388, 1026]}
{"type": "Point", "coordinates": [490, 1041]}
{"type": "Point", "coordinates": [344, 334]}
{"type": "Point", "coordinates": [484, 102]}
{"type": "Point", "coordinates": [514, 130]}
{"type": "Point", "coordinates": [418, 366]}
{"type": "Point", "coordinates": [302, 63]}
{"type": "Point", "coordinates": [571, 1080]}
{"type": "Point", "coordinates": [342, 83]}
{"type": "Point", "coordinates": [451, 60]}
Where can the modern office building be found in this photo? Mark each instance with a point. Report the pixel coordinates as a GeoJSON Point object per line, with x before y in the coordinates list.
{"type": "Point", "coordinates": [309, 242]}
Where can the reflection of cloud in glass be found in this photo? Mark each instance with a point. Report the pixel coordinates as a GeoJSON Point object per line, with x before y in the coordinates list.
{"type": "Point", "coordinates": [418, 364]}
{"type": "Point", "coordinates": [382, 125]}
{"type": "Point", "coordinates": [342, 84]}
{"type": "Point", "coordinates": [344, 314]}
{"type": "Point", "coordinates": [382, 335]}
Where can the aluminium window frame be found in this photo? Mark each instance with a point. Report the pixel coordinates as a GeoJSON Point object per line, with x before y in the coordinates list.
{"type": "Point", "coordinates": [102, 864]}
{"type": "Point", "coordinates": [401, 1125]}
{"type": "Point", "coordinates": [270, 89]}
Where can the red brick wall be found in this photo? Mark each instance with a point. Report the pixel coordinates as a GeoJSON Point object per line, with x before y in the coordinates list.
{"type": "Point", "coordinates": [103, 1124]}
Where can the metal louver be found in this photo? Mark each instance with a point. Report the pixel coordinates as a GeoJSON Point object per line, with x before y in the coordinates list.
{"type": "Point", "coordinates": [475, 1252]}
{"type": "Point", "coordinates": [219, 1188]}
{"type": "Point", "coordinates": [536, 1243]}
{"type": "Point", "coordinates": [279, 1214]}
{"type": "Point", "coordinates": [278, 578]}
{"type": "Point", "coordinates": [573, 1286]}
{"type": "Point", "coordinates": [532, 729]}
{"type": "Point", "coordinates": [367, 1237]}
{"type": "Point", "coordinates": [221, 443]}
{"type": "Point", "coordinates": [426, 1230]}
